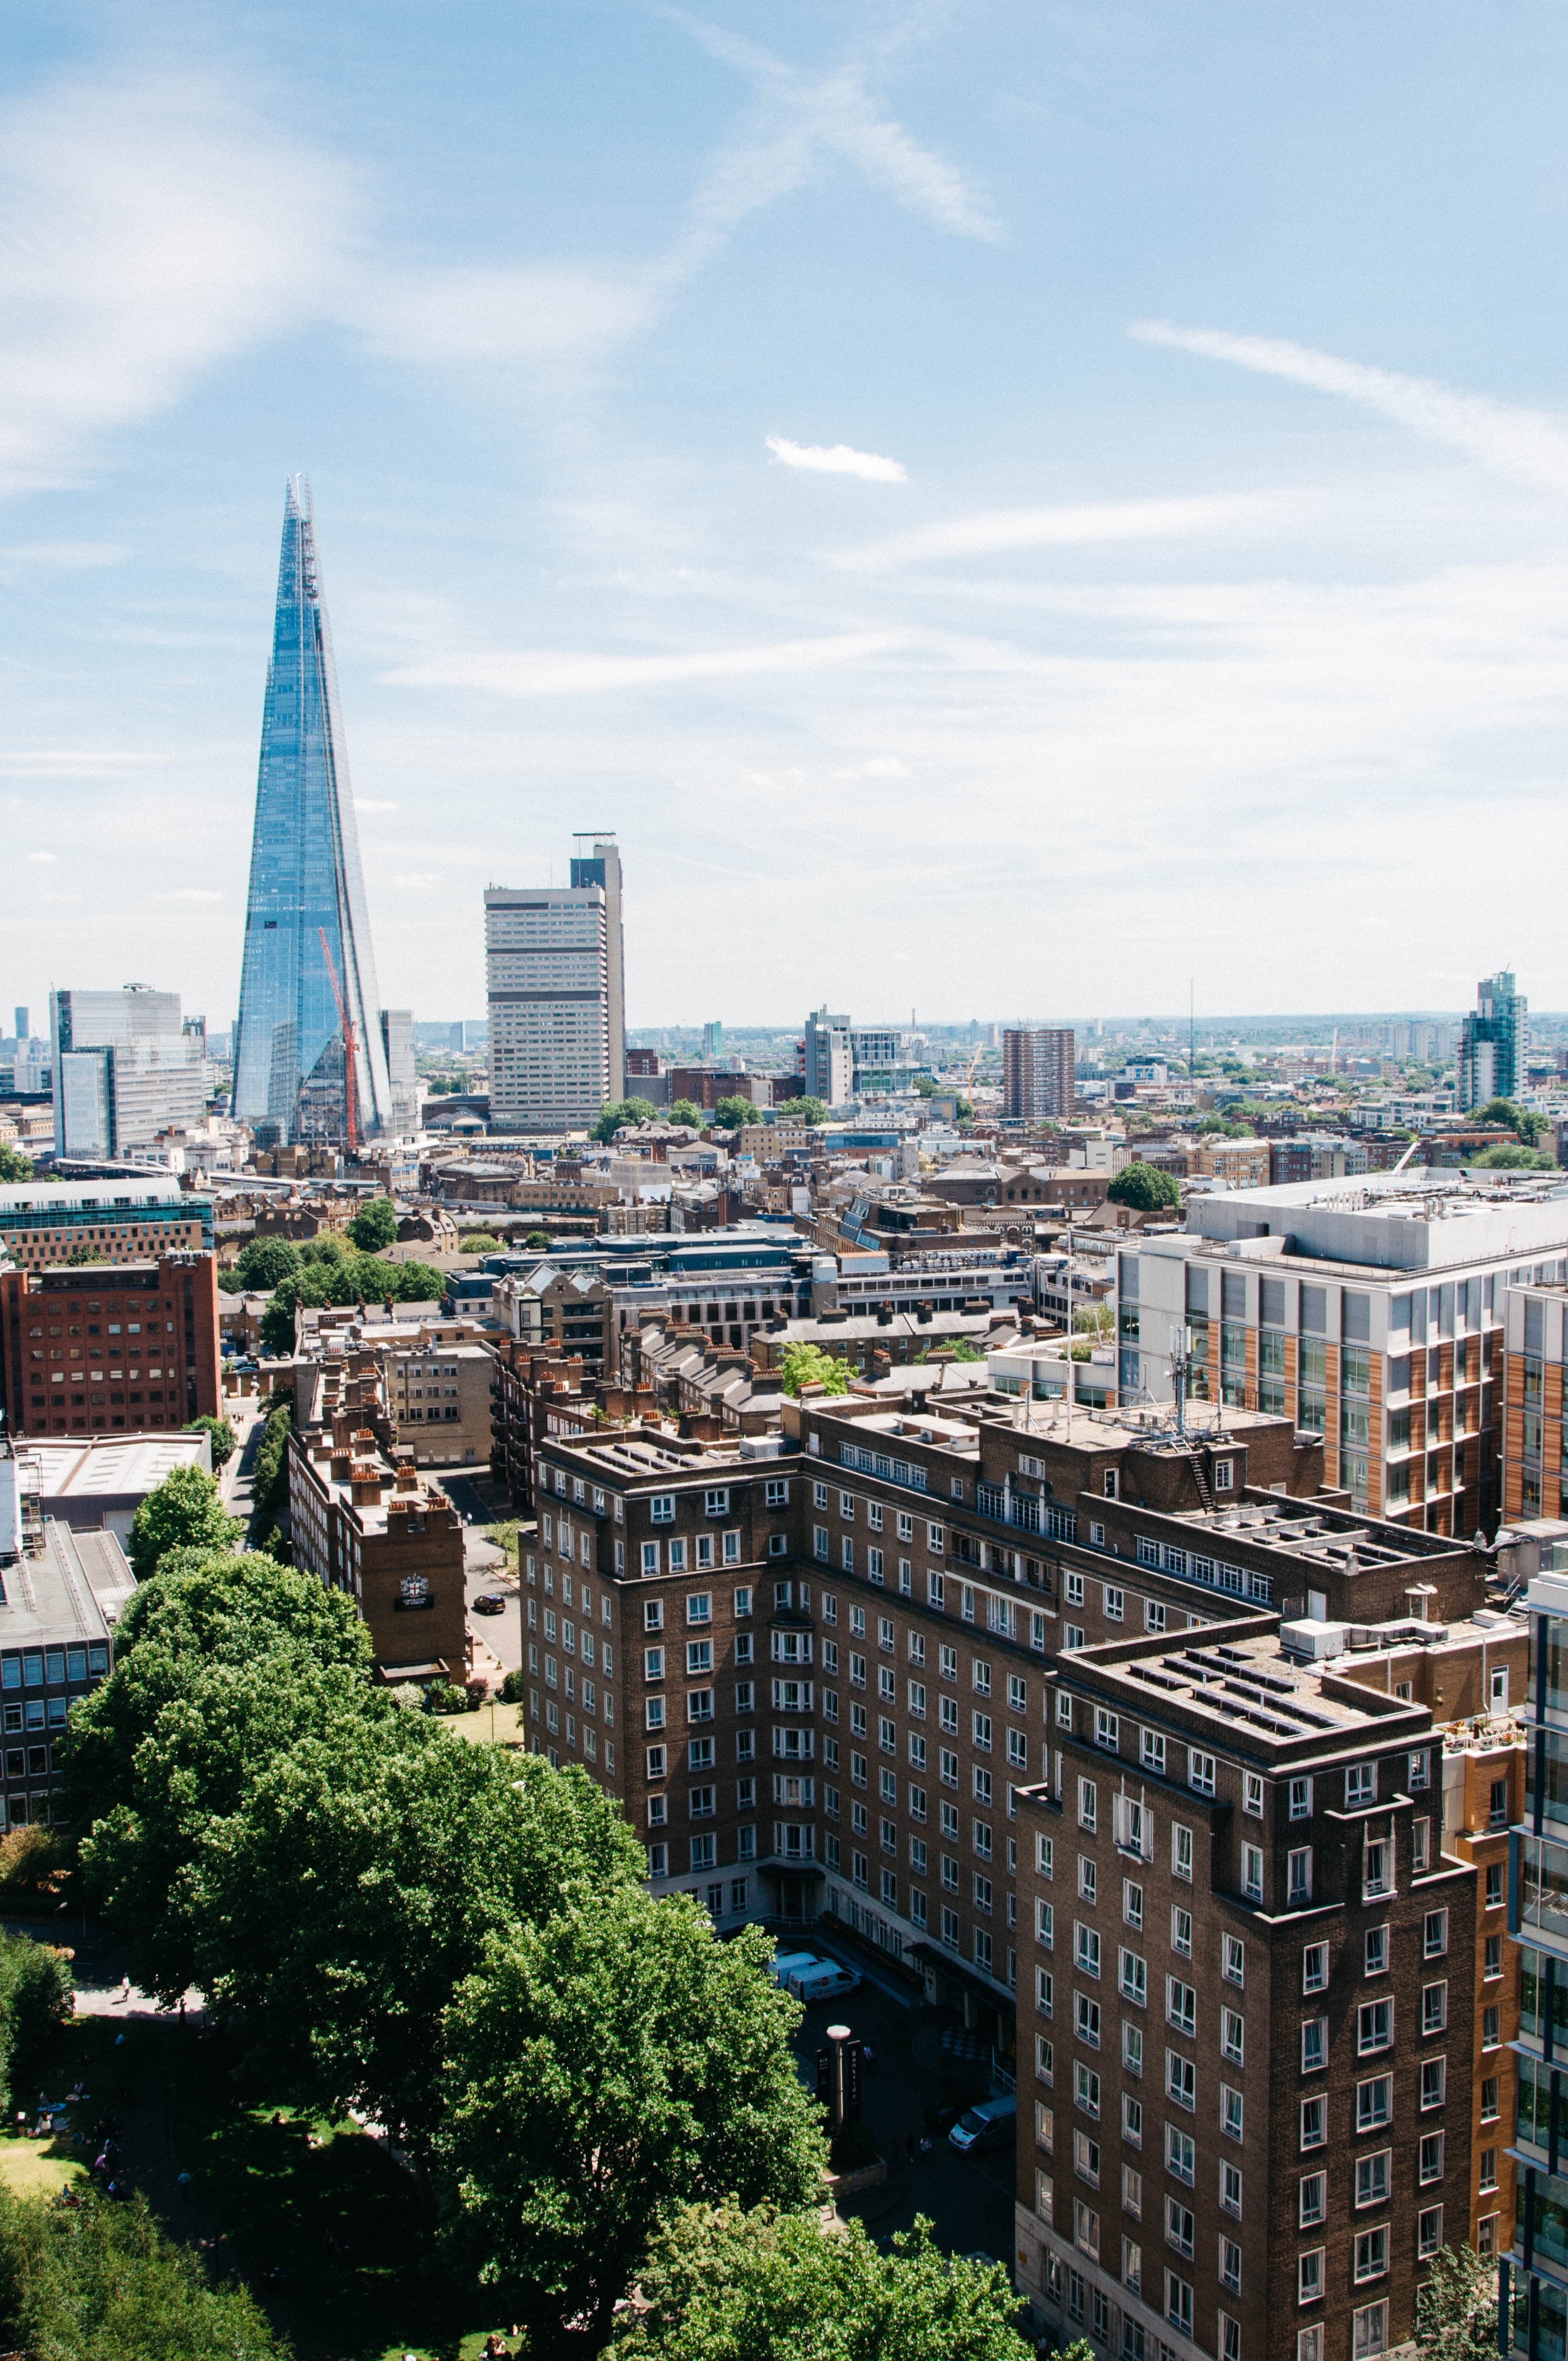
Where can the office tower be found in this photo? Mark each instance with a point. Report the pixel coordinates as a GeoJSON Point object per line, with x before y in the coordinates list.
{"type": "Point", "coordinates": [712, 1044]}
{"type": "Point", "coordinates": [24, 1024]}
{"type": "Point", "coordinates": [556, 978]}
{"type": "Point", "coordinates": [397, 1042]}
{"type": "Point", "coordinates": [124, 1069]}
{"type": "Point", "coordinates": [1036, 1072]}
{"type": "Point", "coordinates": [305, 885]}
{"type": "Point", "coordinates": [1492, 1043]}
{"type": "Point", "coordinates": [830, 1059]}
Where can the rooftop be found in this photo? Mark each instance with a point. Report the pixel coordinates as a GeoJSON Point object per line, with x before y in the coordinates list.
{"type": "Point", "coordinates": [1246, 1680]}
{"type": "Point", "coordinates": [110, 1467]}
{"type": "Point", "coordinates": [1392, 1221]}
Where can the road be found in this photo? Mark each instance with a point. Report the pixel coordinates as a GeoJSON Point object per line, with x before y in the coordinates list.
{"type": "Point", "coordinates": [235, 1480]}
{"type": "Point", "coordinates": [480, 1503]}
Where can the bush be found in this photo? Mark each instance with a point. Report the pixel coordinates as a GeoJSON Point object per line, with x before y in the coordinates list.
{"type": "Point", "coordinates": [477, 1694]}
{"type": "Point", "coordinates": [445, 1696]}
{"type": "Point", "coordinates": [478, 1242]}
{"type": "Point", "coordinates": [100, 2279]}
{"type": "Point", "coordinates": [32, 1862]}
{"type": "Point", "coordinates": [513, 1690]}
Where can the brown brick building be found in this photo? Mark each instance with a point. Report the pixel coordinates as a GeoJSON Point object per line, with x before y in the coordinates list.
{"type": "Point", "coordinates": [93, 1348]}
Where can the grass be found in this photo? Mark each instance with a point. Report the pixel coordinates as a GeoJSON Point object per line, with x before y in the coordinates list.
{"type": "Point", "coordinates": [32, 2168]}
{"type": "Point", "coordinates": [501, 1722]}
{"type": "Point", "coordinates": [504, 1536]}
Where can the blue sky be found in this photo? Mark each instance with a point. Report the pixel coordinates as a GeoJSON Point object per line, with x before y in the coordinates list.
{"type": "Point", "coordinates": [1004, 508]}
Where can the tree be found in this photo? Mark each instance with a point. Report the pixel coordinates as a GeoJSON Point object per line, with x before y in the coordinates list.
{"type": "Point", "coordinates": [1144, 1187]}
{"type": "Point", "coordinates": [278, 1329]}
{"type": "Point", "coordinates": [1499, 1113]}
{"type": "Point", "coordinates": [262, 1262]}
{"type": "Point", "coordinates": [804, 1110]}
{"type": "Point", "coordinates": [725, 2285]}
{"type": "Point", "coordinates": [478, 1242]}
{"type": "Point", "coordinates": [102, 2277]}
{"type": "Point", "coordinates": [1098, 1321]}
{"type": "Point", "coordinates": [1456, 2308]}
{"type": "Point", "coordinates": [221, 1434]}
{"type": "Point", "coordinates": [807, 1365]}
{"type": "Point", "coordinates": [86, 1254]}
{"type": "Point", "coordinates": [620, 1111]}
{"type": "Point", "coordinates": [374, 1225]}
{"type": "Point", "coordinates": [538, 1239]}
{"type": "Point", "coordinates": [270, 1476]}
{"type": "Point", "coordinates": [13, 1166]}
{"type": "Point", "coordinates": [35, 1998]}
{"type": "Point", "coordinates": [685, 1112]}
{"type": "Point", "coordinates": [1513, 1158]}
{"type": "Point", "coordinates": [731, 1113]}
{"type": "Point", "coordinates": [606, 2067]}
{"type": "Point", "coordinates": [183, 1511]}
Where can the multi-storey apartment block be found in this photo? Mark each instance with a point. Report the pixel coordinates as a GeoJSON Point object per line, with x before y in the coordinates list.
{"type": "Point", "coordinates": [97, 1348]}
{"type": "Point", "coordinates": [1535, 2275]}
{"type": "Point", "coordinates": [1248, 1997]}
{"type": "Point", "coordinates": [1370, 1312]}
{"type": "Point", "coordinates": [1534, 1438]}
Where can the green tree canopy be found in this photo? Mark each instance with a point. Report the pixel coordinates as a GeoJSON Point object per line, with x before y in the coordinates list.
{"type": "Point", "coordinates": [374, 1225]}
{"type": "Point", "coordinates": [803, 1110]}
{"type": "Point", "coordinates": [537, 1239]}
{"type": "Point", "coordinates": [480, 1242]}
{"type": "Point", "coordinates": [13, 1166]}
{"type": "Point", "coordinates": [687, 1112]}
{"type": "Point", "coordinates": [731, 1113]}
{"type": "Point", "coordinates": [1513, 1157]}
{"type": "Point", "coordinates": [605, 2067]}
{"type": "Point", "coordinates": [101, 2279]}
{"type": "Point", "coordinates": [35, 2000]}
{"type": "Point", "coordinates": [262, 1262]}
{"type": "Point", "coordinates": [220, 1433]}
{"type": "Point", "coordinates": [725, 2285]}
{"type": "Point", "coordinates": [184, 1510]}
{"type": "Point", "coordinates": [1456, 2308]}
{"type": "Point", "coordinates": [620, 1111]}
{"type": "Point", "coordinates": [803, 1363]}
{"type": "Point", "coordinates": [1144, 1187]}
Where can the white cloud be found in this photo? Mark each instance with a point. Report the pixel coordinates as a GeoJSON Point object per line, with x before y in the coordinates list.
{"type": "Point", "coordinates": [373, 804]}
{"type": "Point", "coordinates": [188, 893]}
{"type": "Point", "coordinates": [837, 459]}
{"type": "Point", "coordinates": [546, 673]}
{"type": "Point", "coordinates": [550, 312]}
{"type": "Point", "coordinates": [884, 766]}
{"type": "Point", "coordinates": [1528, 445]}
{"type": "Point", "coordinates": [52, 859]}
{"type": "Point", "coordinates": [996, 530]}
{"type": "Point", "coordinates": [148, 230]}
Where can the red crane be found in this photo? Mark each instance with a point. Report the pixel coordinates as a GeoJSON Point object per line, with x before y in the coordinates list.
{"type": "Point", "coordinates": [350, 1054]}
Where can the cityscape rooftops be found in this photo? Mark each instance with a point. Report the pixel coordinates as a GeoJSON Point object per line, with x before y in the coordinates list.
{"type": "Point", "coordinates": [1394, 1221]}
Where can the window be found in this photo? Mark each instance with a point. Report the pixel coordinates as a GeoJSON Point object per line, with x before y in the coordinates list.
{"type": "Point", "coordinates": [1378, 1877]}
{"type": "Point", "coordinates": [1181, 1931]}
{"type": "Point", "coordinates": [1231, 2190]}
{"type": "Point", "coordinates": [1314, 2124]}
{"type": "Point", "coordinates": [1430, 2164]}
{"type": "Point", "coordinates": [1369, 2332]}
{"type": "Point", "coordinates": [1131, 2048]}
{"type": "Point", "coordinates": [1376, 1951]}
{"type": "Point", "coordinates": [1180, 2155]}
{"type": "Point", "coordinates": [1200, 1772]}
{"type": "Point", "coordinates": [1488, 2180]}
{"type": "Point", "coordinates": [1132, 1903]}
{"type": "Point", "coordinates": [1371, 2254]}
{"type": "Point", "coordinates": [1312, 2199]}
{"type": "Point", "coordinates": [1086, 1948]}
{"type": "Point", "coordinates": [1429, 2231]}
{"type": "Point", "coordinates": [1373, 2177]}
{"type": "Point", "coordinates": [1232, 2035]}
{"type": "Point", "coordinates": [699, 1606]}
{"type": "Point", "coordinates": [1151, 1751]}
{"type": "Point", "coordinates": [1133, 2131]}
{"type": "Point", "coordinates": [1252, 1872]}
{"type": "Point", "coordinates": [1435, 2007]}
{"type": "Point", "coordinates": [1232, 2116]}
{"type": "Point", "coordinates": [1180, 2226]}
{"type": "Point", "coordinates": [1434, 1934]}
{"type": "Point", "coordinates": [1086, 2089]}
{"type": "Point", "coordinates": [1374, 2103]}
{"type": "Point", "coordinates": [1251, 1793]}
{"type": "Point", "coordinates": [1315, 1968]}
{"type": "Point", "coordinates": [1491, 2027]}
{"type": "Point", "coordinates": [1181, 2005]}
{"type": "Point", "coordinates": [1179, 2304]}
{"type": "Point", "coordinates": [1309, 2275]}
{"type": "Point", "coordinates": [1181, 1853]}
{"type": "Point", "coordinates": [1314, 2045]}
{"type": "Point", "coordinates": [1181, 2081]}
{"type": "Point", "coordinates": [1494, 1885]}
{"type": "Point", "coordinates": [1230, 2265]}
{"type": "Point", "coordinates": [1088, 1805]}
{"type": "Point", "coordinates": [1299, 1877]}
{"type": "Point", "coordinates": [1373, 2027]}
{"type": "Point", "coordinates": [1086, 2020]}
{"type": "Point", "coordinates": [1233, 1960]}
{"type": "Point", "coordinates": [1490, 2108]}
{"type": "Point", "coordinates": [1300, 1799]}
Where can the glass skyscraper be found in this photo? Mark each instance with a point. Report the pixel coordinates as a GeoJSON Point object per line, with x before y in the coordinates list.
{"type": "Point", "coordinates": [305, 881]}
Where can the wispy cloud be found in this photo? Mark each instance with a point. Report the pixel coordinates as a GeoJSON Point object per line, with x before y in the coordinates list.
{"type": "Point", "coordinates": [45, 860]}
{"type": "Point", "coordinates": [996, 530]}
{"type": "Point", "coordinates": [525, 673]}
{"type": "Point", "coordinates": [148, 229]}
{"type": "Point", "coordinates": [542, 315]}
{"type": "Point", "coordinates": [373, 804]}
{"type": "Point", "coordinates": [188, 894]}
{"type": "Point", "coordinates": [64, 556]}
{"type": "Point", "coordinates": [1528, 445]}
{"type": "Point", "coordinates": [837, 459]}
{"type": "Point", "coordinates": [70, 762]}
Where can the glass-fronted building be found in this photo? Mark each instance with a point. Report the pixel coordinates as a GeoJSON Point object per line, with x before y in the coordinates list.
{"type": "Point", "coordinates": [1535, 2275]}
{"type": "Point", "coordinates": [306, 883]}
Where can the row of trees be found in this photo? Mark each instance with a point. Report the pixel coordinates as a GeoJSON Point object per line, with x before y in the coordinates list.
{"type": "Point", "coordinates": [728, 1115]}
{"type": "Point", "coordinates": [459, 1942]}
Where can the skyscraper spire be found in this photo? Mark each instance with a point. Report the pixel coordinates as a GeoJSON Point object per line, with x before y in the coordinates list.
{"type": "Point", "coordinates": [306, 883]}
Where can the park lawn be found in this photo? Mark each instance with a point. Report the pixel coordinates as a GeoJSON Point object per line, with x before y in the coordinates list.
{"type": "Point", "coordinates": [32, 2168]}
{"type": "Point", "coordinates": [503, 1723]}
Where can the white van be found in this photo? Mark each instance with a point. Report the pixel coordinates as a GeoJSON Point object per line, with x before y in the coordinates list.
{"type": "Point", "coordinates": [787, 1963]}
{"type": "Point", "coordinates": [990, 2125]}
{"type": "Point", "coordinates": [826, 1980]}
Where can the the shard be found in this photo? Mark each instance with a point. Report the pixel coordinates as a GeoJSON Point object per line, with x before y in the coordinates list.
{"type": "Point", "coordinates": [306, 883]}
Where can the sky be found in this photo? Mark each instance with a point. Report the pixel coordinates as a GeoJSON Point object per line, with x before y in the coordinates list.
{"type": "Point", "coordinates": [1005, 512]}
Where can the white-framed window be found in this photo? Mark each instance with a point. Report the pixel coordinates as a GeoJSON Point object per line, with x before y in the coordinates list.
{"type": "Point", "coordinates": [1199, 1771]}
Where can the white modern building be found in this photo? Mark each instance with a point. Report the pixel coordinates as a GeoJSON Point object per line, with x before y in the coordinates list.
{"type": "Point", "coordinates": [1368, 1310]}
{"type": "Point", "coordinates": [126, 1068]}
{"type": "Point", "coordinates": [555, 977]}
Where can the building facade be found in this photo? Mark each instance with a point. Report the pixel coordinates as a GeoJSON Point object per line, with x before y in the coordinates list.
{"type": "Point", "coordinates": [45, 1222]}
{"type": "Point", "coordinates": [556, 978]}
{"type": "Point", "coordinates": [1493, 1043]}
{"type": "Point", "coordinates": [402, 1081]}
{"type": "Point", "coordinates": [829, 1073]}
{"type": "Point", "coordinates": [93, 1348]}
{"type": "Point", "coordinates": [1036, 1072]}
{"type": "Point", "coordinates": [305, 910]}
{"type": "Point", "coordinates": [1535, 2274]}
{"type": "Point", "coordinates": [124, 1068]}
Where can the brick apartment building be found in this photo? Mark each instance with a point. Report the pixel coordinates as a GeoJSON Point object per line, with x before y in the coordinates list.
{"type": "Point", "coordinates": [91, 1347]}
{"type": "Point", "coordinates": [1249, 2000]}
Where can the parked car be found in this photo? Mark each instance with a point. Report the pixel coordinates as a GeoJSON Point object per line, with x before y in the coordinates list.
{"type": "Point", "coordinates": [489, 1602]}
{"type": "Point", "coordinates": [825, 1981]}
{"type": "Point", "coordinates": [990, 2125]}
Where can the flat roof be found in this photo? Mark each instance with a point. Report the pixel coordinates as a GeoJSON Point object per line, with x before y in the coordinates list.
{"type": "Point", "coordinates": [35, 1196]}
{"type": "Point", "coordinates": [1246, 1681]}
{"type": "Point", "coordinates": [110, 1467]}
{"type": "Point", "coordinates": [50, 1598]}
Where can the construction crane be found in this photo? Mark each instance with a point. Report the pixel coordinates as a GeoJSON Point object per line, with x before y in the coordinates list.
{"type": "Point", "coordinates": [350, 1054]}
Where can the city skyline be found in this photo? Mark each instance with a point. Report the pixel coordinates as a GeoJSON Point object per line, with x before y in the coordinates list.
{"type": "Point", "coordinates": [792, 446]}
